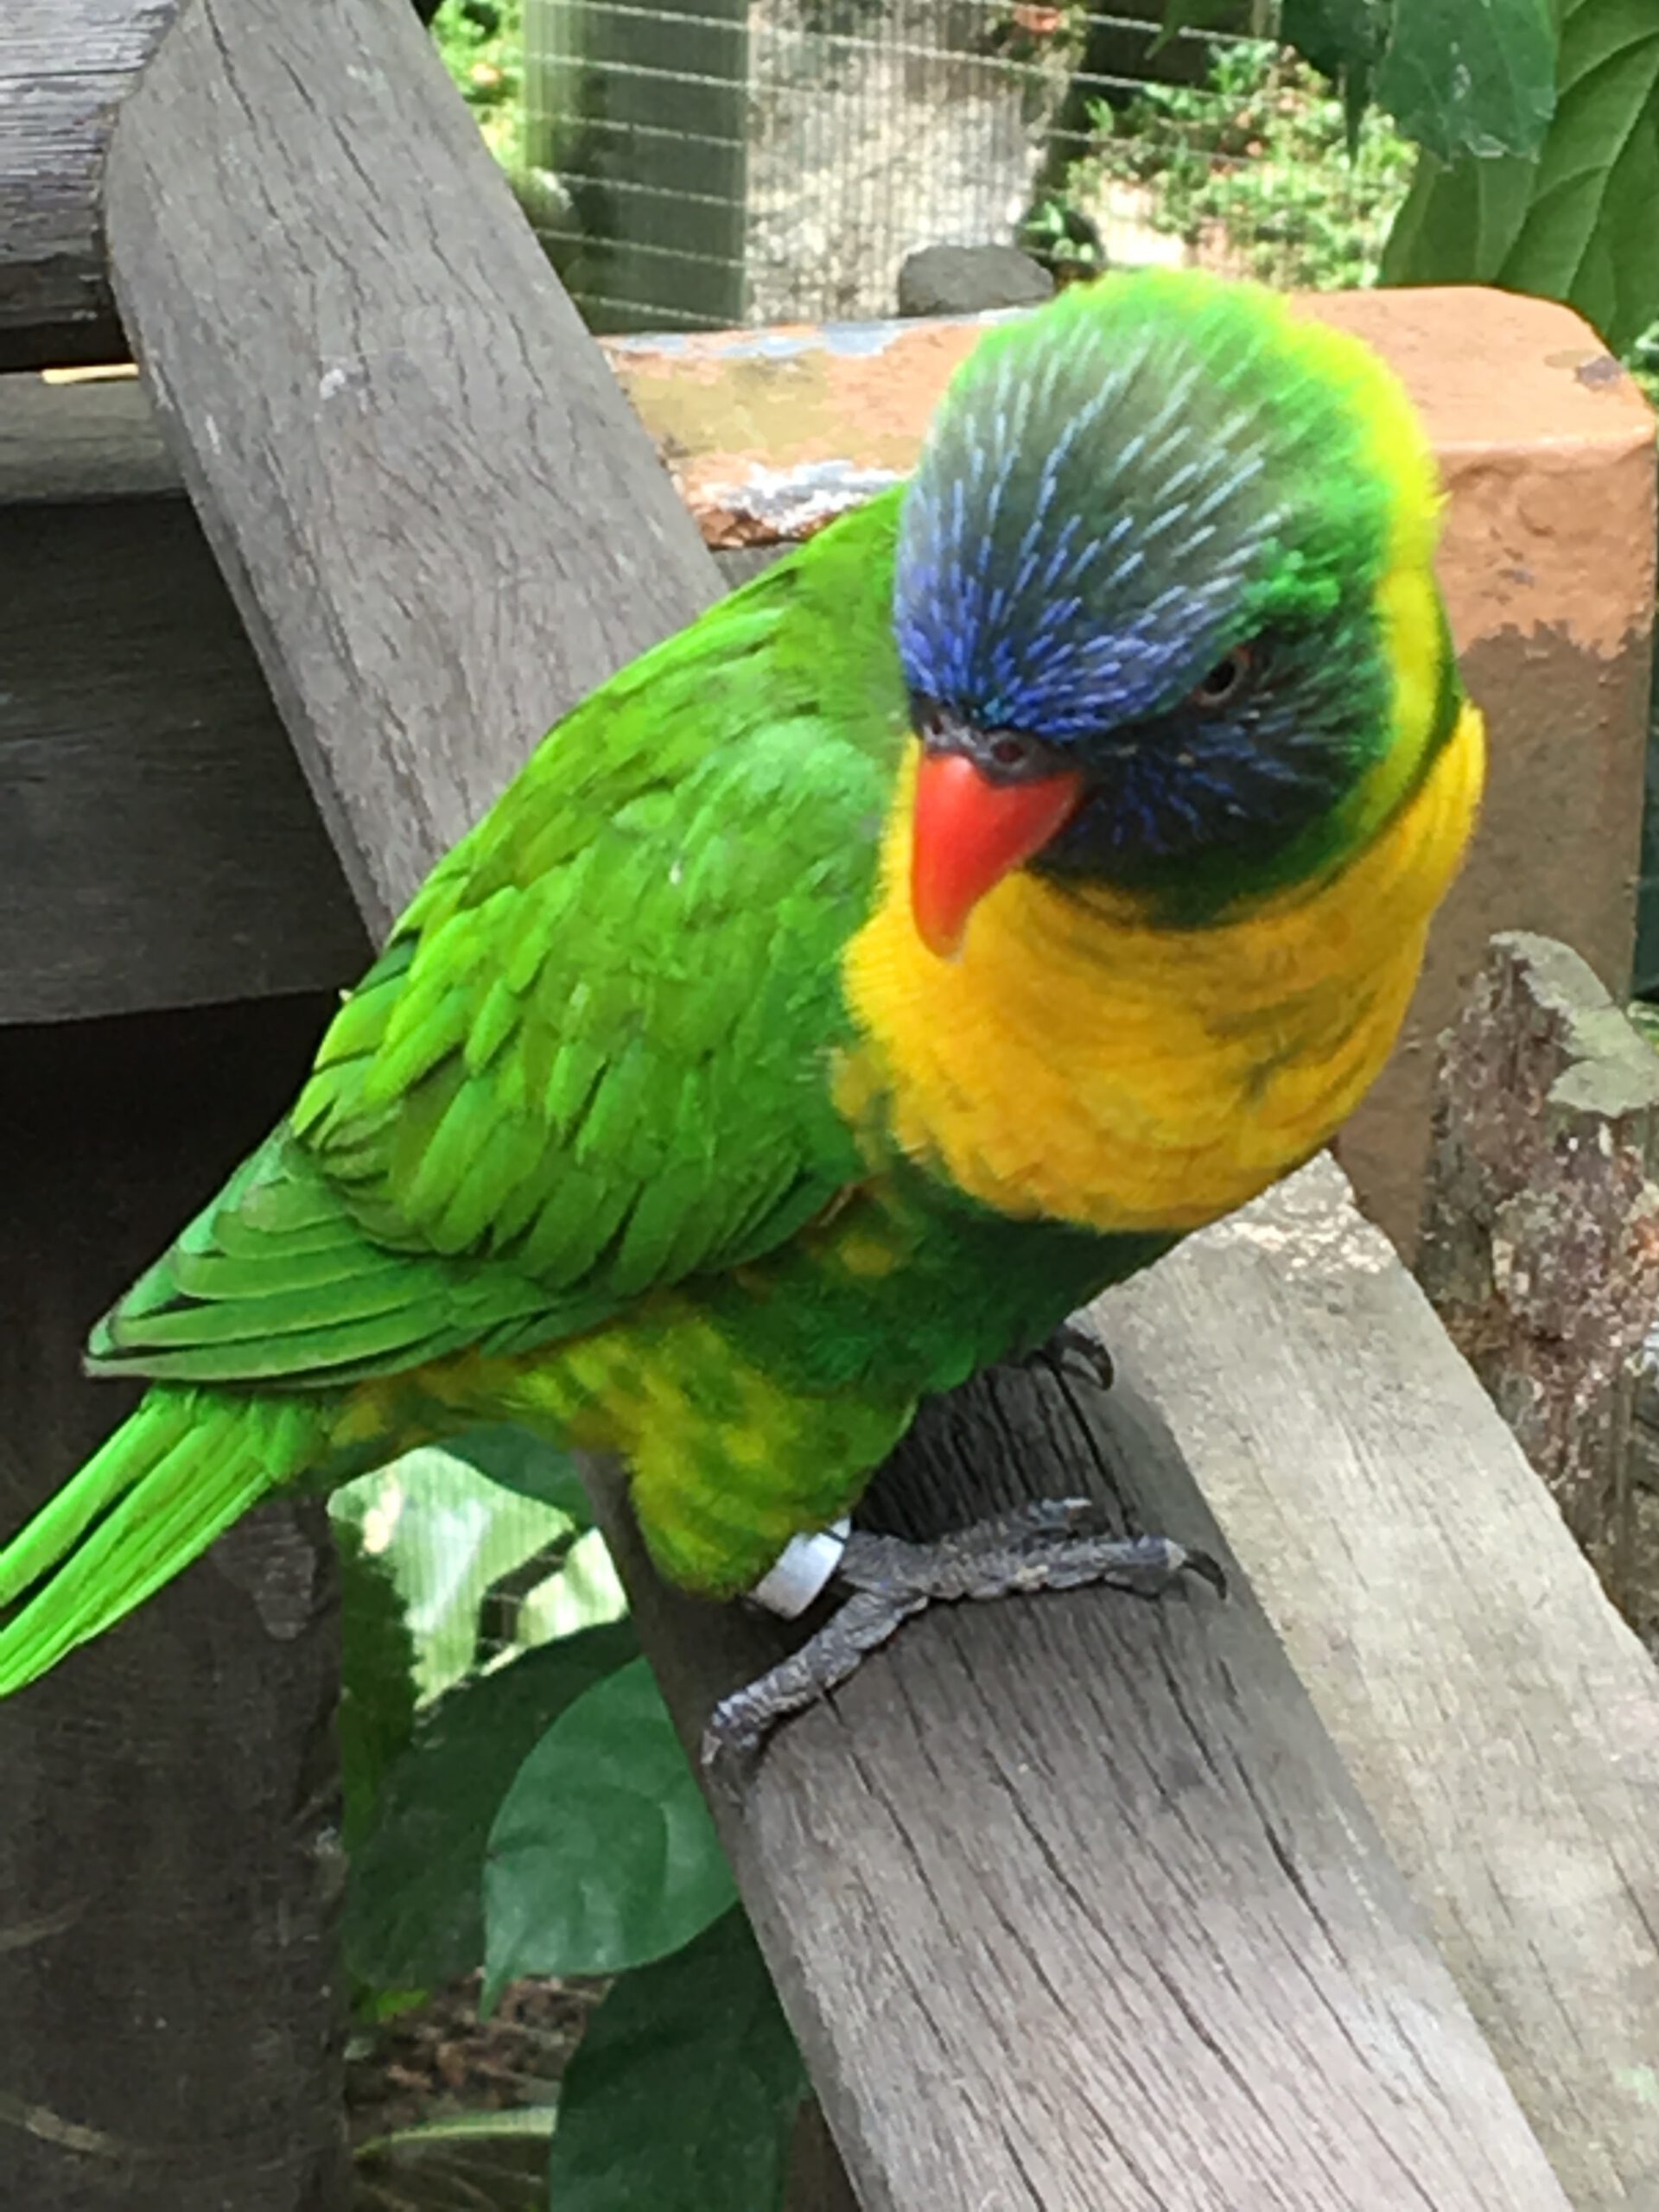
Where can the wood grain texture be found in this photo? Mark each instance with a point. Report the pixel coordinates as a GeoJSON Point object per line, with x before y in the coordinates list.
{"type": "Point", "coordinates": [93, 438]}
{"type": "Point", "coordinates": [1070, 1899]}
{"type": "Point", "coordinates": [439, 519]}
{"type": "Point", "coordinates": [171, 2014]}
{"type": "Point", "coordinates": [1541, 1232]}
{"type": "Point", "coordinates": [64, 68]}
{"type": "Point", "coordinates": [158, 846]}
{"type": "Point", "coordinates": [1500, 1720]}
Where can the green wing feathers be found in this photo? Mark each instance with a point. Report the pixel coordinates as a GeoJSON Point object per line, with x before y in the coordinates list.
{"type": "Point", "coordinates": [594, 1057]}
{"type": "Point", "coordinates": [603, 1060]}
{"type": "Point", "coordinates": [592, 1060]}
{"type": "Point", "coordinates": [274, 1283]}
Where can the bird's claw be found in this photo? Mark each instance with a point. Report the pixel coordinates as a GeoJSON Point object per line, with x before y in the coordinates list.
{"type": "Point", "coordinates": [1050, 1544]}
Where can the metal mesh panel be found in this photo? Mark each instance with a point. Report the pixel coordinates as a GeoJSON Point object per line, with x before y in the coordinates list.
{"type": "Point", "coordinates": [705, 162]}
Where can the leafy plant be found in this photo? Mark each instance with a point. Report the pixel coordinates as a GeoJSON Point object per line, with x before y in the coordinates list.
{"type": "Point", "coordinates": [693, 2052]}
{"type": "Point", "coordinates": [520, 1802]}
{"type": "Point", "coordinates": [1474, 77]}
{"type": "Point", "coordinates": [1571, 217]}
{"type": "Point", "coordinates": [414, 1907]}
{"type": "Point", "coordinates": [602, 1855]}
{"type": "Point", "coordinates": [482, 42]}
{"type": "Point", "coordinates": [1257, 169]}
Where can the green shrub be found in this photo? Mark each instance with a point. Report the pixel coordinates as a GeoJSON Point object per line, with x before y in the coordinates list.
{"type": "Point", "coordinates": [482, 42]}
{"type": "Point", "coordinates": [1252, 170]}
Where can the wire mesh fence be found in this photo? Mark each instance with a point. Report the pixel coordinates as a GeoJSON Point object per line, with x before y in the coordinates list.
{"type": "Point", "coordinates": [706, 162]}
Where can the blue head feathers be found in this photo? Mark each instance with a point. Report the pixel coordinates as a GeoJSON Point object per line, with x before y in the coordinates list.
{"type": "Point", "coordinates": [1145, 538]}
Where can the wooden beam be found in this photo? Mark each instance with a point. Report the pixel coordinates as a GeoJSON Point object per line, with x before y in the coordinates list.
{"type": "Point", "coordinates": [1500, 1720]}
{"type": "Point", "coordinates": [63, 70]}
{"type": "Point", "coordinates": [158, 846]}
{"type": "Point", "coordinates": [171, 2012]}
{"type": "Point", "coordinates": [1070, 1899]}
{"type": "Point", "coordinates": [166, 851]}
{"type": "Point", "coordinates": [438, 517]}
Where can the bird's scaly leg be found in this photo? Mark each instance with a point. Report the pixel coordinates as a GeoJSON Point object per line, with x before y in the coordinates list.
{"type": "Point", "coordinates": [1052, 1544]}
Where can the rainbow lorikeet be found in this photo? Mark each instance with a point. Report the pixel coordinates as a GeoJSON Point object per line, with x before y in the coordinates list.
{"type": "Point", "coordinates": [1031, 867]}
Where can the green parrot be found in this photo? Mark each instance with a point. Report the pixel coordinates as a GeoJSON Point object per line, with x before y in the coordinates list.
{"type": "Point", "coordinates": [1034, 866]}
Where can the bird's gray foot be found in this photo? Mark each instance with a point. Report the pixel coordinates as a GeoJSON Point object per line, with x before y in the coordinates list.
{"type": "Point", "coordinates": [1073, 1351]}
{"type": "Point", "coordinates": [1052, 1544]}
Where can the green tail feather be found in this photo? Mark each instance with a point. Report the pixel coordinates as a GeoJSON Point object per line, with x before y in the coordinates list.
{"type": "Point", "coordinates": [151, 1500]}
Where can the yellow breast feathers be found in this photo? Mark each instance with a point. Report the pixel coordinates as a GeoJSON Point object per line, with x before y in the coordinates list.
{"type": "Point", "coordinates": [1077, 1064]}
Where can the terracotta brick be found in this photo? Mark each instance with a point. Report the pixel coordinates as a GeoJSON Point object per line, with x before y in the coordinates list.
{"type": "Point", "coordinates": [1548, 456]}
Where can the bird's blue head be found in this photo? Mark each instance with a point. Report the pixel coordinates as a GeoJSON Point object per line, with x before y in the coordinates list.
{"type": "Point", "coordinates": [1147, 602]}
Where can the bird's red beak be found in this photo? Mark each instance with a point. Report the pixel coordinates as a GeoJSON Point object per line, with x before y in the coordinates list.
{"type": "Point", "coordinates": [968, 833]}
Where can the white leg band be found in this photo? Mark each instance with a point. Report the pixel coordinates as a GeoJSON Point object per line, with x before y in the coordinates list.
{"type": "Point", "coordinates": [800, 1571]}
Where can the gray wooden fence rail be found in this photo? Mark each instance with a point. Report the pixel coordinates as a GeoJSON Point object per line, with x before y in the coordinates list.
{"type": "Point", "coordinates": [1075, 1902]}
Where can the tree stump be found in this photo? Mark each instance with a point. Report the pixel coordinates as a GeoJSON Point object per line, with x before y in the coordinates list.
{"type": "Point", "coordinates": [1541, 1238]}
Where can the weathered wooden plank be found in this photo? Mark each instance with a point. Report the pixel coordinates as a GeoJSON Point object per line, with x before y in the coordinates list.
{"type": "Point", "coordinates": [91, 437]}
{"type": "Point", "coordinates": [1500, 1720]}
{"type": "Point", "coordinates": [1540, 1233]}
{"type": "Point", "coordinates": [171, 2016]}
{"type": "Point", "coordinates": [63, 70]}
{"type": "Point", "coordinates": [439, 519]}
{"type": "Point", "coordinates": [1070, 1899]}
{"type": "Point", "coordinates": [158, 846]}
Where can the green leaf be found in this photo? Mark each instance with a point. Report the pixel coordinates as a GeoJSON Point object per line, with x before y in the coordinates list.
{"type": "Point", "coordinates": [521, 1462]}
{"type": "Point", "coordinates": [1592, 236]}
{"type": "Point", "coordinates": [512, 2125]}
{"type": "Point", "coordinates": [1578, 224]}
{"type": "Point", "coordinates": [1471, 76]}
{"type": "Point", "coordinates": [1344, 39]}
{"type": "Point", "coordinates": [377, 1702]}
{"type": "Point", "coordinates": [414, 1901]}
{"type": "Point", "coordinates": [682, 2093]}
{"type": "Point", "coordinates": [1457, 223]}
{"type": "Point", "coordinates": [603, 1855]}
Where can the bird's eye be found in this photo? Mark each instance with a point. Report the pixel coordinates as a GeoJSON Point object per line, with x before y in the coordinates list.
{"type": "Point", "coordinates": [1008, 752]}
{"type": "Point", "coordinates": [1226, 680]}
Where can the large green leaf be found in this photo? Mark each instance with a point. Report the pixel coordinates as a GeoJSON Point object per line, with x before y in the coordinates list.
{"type": "Point", "coordinates": [1345, 38]}
{"type": "Point", "coordinates": [683, 2091]}
{"type": "Point", "coordinates": [1473, 77]}
{"type": "Point", "coordinates": [603, 1855]}
{"type": "Point", "coordinates": [1579, 224]}
{"type": "Point", "coordinates": [415, 1902]}
{"type": "Point", "coordinates": [377, 1699]}
{"type": "Point", "coordinates": [521, 1462]}
{"type": "Point", "coordinates": [1458, 222]}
